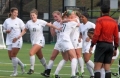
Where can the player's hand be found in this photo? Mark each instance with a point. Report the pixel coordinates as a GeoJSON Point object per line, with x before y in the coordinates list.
{"type": "Point", "coordinates": [8, 31]}
{"type": "Point", "coordinates": [87, 39]}
{"type": "Point", "coordinates": [90, 50]}
{"type": "Point", "coordinates": [114, 53]}
{"type": "Point", "coordinates": [14, 40]}
{"type": "Point", "coordinates": [79, 40]}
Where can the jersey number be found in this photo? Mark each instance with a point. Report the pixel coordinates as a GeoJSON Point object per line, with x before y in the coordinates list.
{"type": "Point", "coordinates": [63, 28]}
{"type": "Point", "coordinates": [34, 29]}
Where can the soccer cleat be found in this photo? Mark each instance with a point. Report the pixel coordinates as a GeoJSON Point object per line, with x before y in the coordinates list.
{"type": "Point", "coordinates": [91, 76]}
{"type": "Point", "coordinates": [30, 72]}
{"type": "Point", "coordinates": [115, 74]}
{"type": "Point", "coordinates": [56, 76]}
{"type": "Point", "coordinates": [79, 74]}
{"type": "Point", "coordinates": [14, 74]}
{"type": "Point", "coordinates": [23, 69]}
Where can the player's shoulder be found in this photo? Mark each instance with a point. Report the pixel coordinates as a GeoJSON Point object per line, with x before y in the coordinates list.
{"type": "Point", "coordinates": [8, 19]}
{"type": "Point", "coordinates": [29, 21]}
{"type": "Point", "coordinates": [18, 19]}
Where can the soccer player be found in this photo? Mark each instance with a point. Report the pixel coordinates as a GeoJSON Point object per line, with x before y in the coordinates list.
{"type": "Point", "coordinates": [65, 42]}
{"type": "Point", "coordinates": [13, 26]}
{"type": "Point", "coordinates": [105, 33]}
{"type": "Point", "coordinates": [86, 41]}
{"type": "Point", "coordinates": [74, 37]}
{"type": "Point", "coordinates": [90, 34]}
{"type": "Point", "coordinates": [58, 19]}
{"type": "Point", "coordinates": [35, 26]}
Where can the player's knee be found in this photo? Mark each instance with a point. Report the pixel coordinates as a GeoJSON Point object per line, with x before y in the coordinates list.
{"type": "Point", "coordinates": [31, 53]}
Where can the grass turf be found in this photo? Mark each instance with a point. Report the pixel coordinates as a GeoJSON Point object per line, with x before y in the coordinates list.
{"type": "Point", "coordinates": [6, 66]}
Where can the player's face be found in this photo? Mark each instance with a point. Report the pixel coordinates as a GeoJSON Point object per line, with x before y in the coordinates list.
{"type": "Point", "coordinates": [14, 14]}
{"type": "Point", "coordinates": [83, 18]}
{"type": "Point", "coordinates": [56, 17]}
{"type": "Point", "coordinates": [33, 16]}
{"type": "Point", "coordinates": [73, 15]}
{"type": "Point", "coordinates": [90, 35]}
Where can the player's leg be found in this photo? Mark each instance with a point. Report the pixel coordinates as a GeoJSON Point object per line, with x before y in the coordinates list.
{"type": "Point", "coordinates": [61, 64]}
{"type": "Point", "coordinates": [47, 72]}
{"type": "Point", "coordinates": [35, 48]}
{"type": "Point", "coordinates": [41, 58]}
{"type": "Point", "coordinates": [80, 59]}
{"type": "Point", "coordinates": [15, 60]}
{"type": "Point", "coordinates": [73, 57]}
{"type": "Point", "coordinates": [89, 63]}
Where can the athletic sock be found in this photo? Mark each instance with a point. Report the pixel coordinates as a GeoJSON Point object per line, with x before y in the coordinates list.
{"type": "Point", "coordinates": [49, 67]}
{"type": "Point", "coordinates": [59, 67]}
{"type": "Point", "coordinates": [15, 64]}
{"type": "Point", "coordinates": [20, 62]}
{"type": "Point", "coordinates": [97, 74]}
{"type": "Point", "coordinates": [108, 74]}
{"type": "Point", "coordinates": [76, 69]}
{"type": "Point", "coordinates": [91, 64]}
{"type": "Point", "coordinates": [32, 62]}
{"type": "Point", "coordinates": [81, 63]}
{"type": "Point", "coordinates": [102, 73]}
{"type": "Point", "coordinates": [90, 70]}
{"type": "Point", "coordinates": [43, 61]}
{"type": "Point", "coordinates": [50, 64]}
{"type": "Point", "coordinates": [73, 66]}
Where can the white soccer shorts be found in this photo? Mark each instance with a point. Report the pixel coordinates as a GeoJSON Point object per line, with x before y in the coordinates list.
{"type": "Point", "coordinates": [17, 44]}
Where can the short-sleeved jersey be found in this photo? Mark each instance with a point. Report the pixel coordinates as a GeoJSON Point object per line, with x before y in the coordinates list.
{"type": "Point", "coordinates": [84, 29]}
{"type": "Point", "coordinates": [15, 25]}
{"type": "Point", "coordinates": [36, 29]}
{"type": "Point", "coordinates": [67, 29]}
{"type": "Point", "coordinates": [58, 24]}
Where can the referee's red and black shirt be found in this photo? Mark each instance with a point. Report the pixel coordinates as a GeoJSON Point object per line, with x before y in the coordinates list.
{"type": "Point", "coordinates": [106, 31]}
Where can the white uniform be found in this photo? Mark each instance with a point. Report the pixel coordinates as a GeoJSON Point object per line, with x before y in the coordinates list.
{"type": "Point", "coordinates": [36, 31]}
{"type": "Point", "coordinates": [65, 41]}
{"type": "Point", "coordinates": [84, 29]}
{"type": "Point", "coordinates": [58, 24]}
{"type": "Point", "coordinates": [75, 36]}
{"type": "Point", "coordinates": [15, 25]}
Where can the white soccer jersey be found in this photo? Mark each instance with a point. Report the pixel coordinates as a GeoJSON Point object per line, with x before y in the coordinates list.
{"type": "Point", "coordinates": [15, 25]}
{"type": "Point", "coordinates": [58, 24]}
{"type": "Point", "coordinates": [84, 29]}
{"type": "Point", "coordinates": [67, 28]}
{"type": "Point", "coordinates": [36, 30]}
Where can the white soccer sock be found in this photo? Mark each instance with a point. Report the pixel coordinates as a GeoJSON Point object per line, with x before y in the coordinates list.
{"type": "Point", "coordinates": [50, 64]}
{"type": "Point", "coordinates": [73, 66]}
{"type": "Point", "coordinates": [90, 70]}
{"type": "Point", "coordinates": [32, 62]}
{"type": "Point", "coordinates": [15, 64]}
{"type": "Point", "coordinates": [91, 64]}
{"type": "Point", "coordinates": [43, 61]}
{"type": "Point", "coordinates": [102, 73]}
{"type": "Point", "coordinates": [20, 62]}
{"type": "Point", "coordinates": [76, 69]}
{"type": "Point", "coordinates": [59, 67]}
{"type": "Point", "coordinates": [81, 63]}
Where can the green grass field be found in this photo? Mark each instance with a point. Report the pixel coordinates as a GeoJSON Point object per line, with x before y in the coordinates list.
{"type": "Point", "coordinates": [6, 66]}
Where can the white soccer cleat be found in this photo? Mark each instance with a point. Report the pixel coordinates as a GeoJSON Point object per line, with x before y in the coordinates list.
{"type": "Point", "coordinates": [23, 69]}
{"type": "Point", "coordinates": [14, 74]}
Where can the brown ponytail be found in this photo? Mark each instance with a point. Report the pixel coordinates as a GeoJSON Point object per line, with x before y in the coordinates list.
{"type": "Point", "coordinates": [12, 10]}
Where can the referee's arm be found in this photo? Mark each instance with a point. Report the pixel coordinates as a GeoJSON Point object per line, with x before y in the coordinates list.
{"type": "Point", "coordinates": [96, 33]}
{"type": "Point", "coordinates": [116, 37]}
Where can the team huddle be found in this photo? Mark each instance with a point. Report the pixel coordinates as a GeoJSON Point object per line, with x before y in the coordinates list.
{"type": "Point", "coordinates": [74, 36]}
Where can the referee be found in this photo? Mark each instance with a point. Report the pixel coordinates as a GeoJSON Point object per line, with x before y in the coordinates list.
{"type": "Point", "coordinates": [105, 33]}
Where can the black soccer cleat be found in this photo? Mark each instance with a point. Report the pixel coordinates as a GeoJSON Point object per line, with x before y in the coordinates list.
{"type": "Point", "coordinates": [30, 72]}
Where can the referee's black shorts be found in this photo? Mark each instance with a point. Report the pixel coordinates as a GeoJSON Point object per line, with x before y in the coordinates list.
{"type": "Point", "coordinates": [103, 52]}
